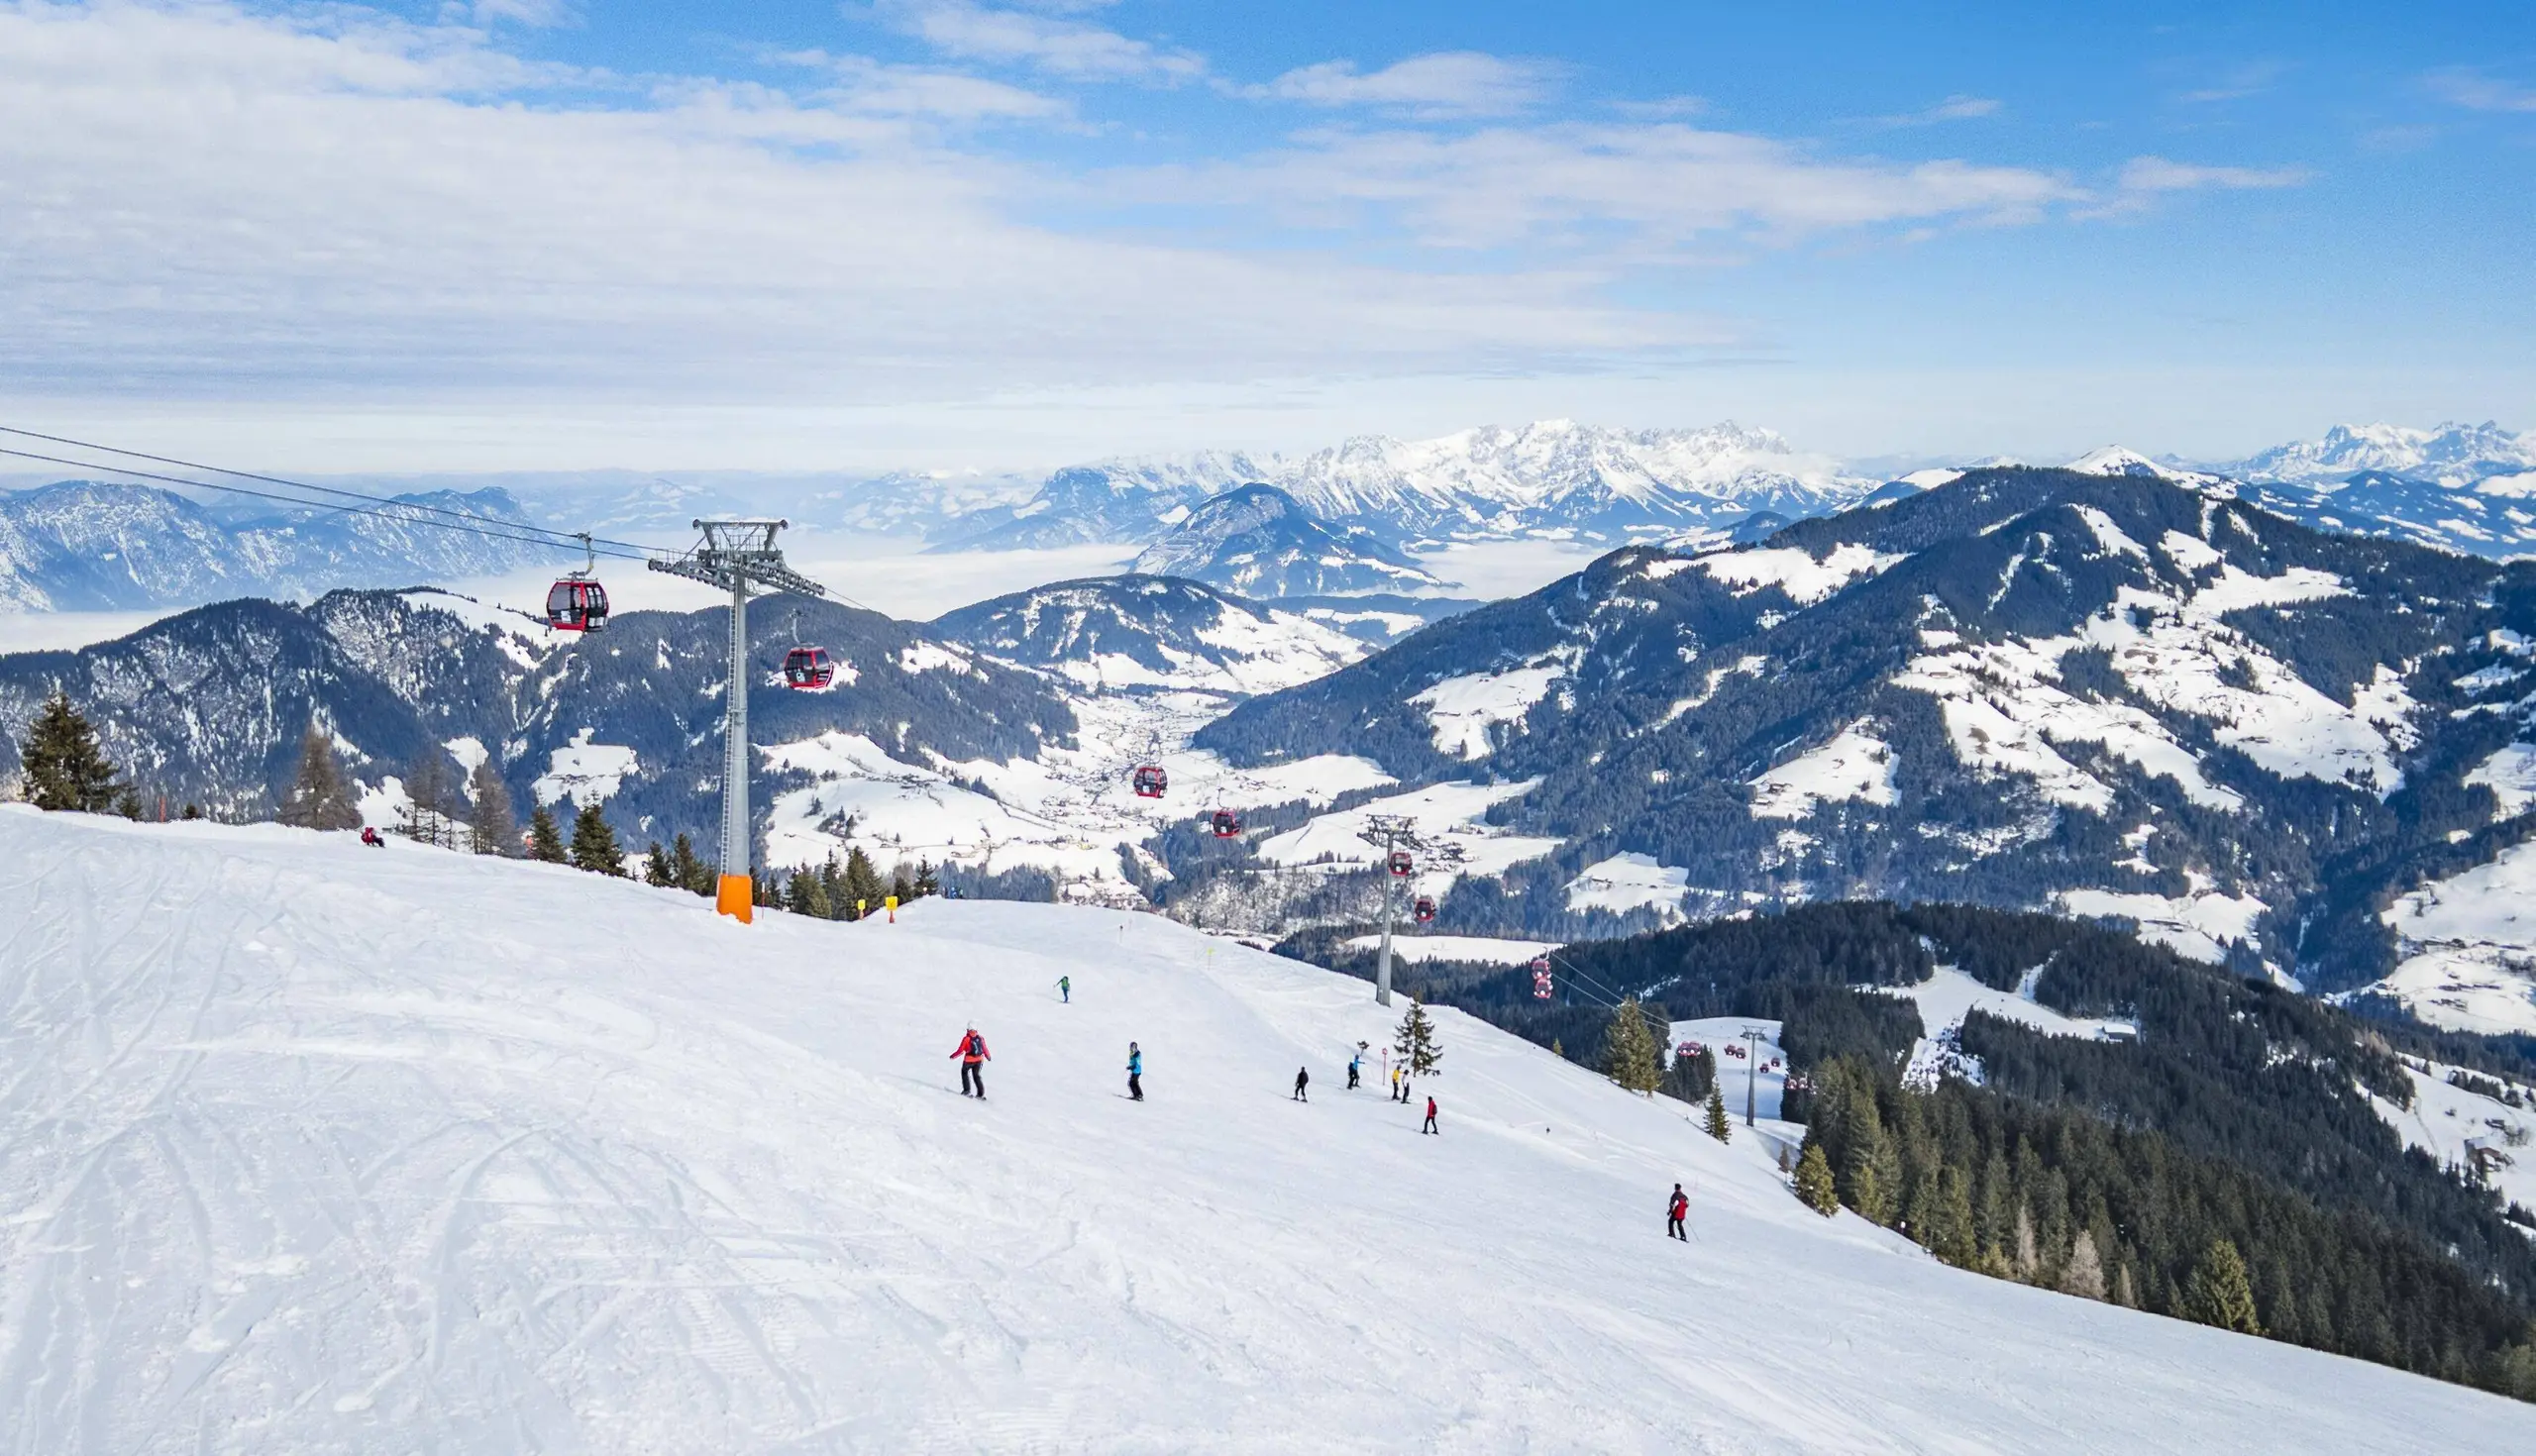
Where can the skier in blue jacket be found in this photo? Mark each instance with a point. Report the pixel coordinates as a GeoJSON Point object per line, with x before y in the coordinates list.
{"type": "Point", "coordinates": [1136, 1073]}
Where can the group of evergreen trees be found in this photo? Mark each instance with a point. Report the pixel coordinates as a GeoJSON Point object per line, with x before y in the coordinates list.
{"type": "Point", "coordinates": [2057, 1197]}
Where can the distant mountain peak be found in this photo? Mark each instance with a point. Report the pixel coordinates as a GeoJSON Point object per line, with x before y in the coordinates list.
{"type": "Point", "coordinates": [1259, 541]}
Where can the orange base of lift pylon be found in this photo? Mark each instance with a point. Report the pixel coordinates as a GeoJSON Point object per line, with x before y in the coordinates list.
{"type": "Point", "coordinates": [735, 897]}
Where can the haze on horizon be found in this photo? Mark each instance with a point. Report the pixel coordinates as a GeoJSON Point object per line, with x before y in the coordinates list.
{"type": "Point", "coordinates": [522, 235]}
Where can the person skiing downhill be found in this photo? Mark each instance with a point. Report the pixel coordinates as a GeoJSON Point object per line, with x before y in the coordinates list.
{"type": "Point", "coordinates": [1355, 1066]}
{"type": "Point", "coordinates": [1431, 1120]}
{"type": "Point", "coordinates": [1136, 1073]}
{"type": "Point", "coordinates": [972, 1051]}
{"type": "Point", "coordinates": [1302, 1079]}
{"type": "Point", "coordinates": [1065, 990]}
{"type": "Point", "coordinates": [1675, 1212]}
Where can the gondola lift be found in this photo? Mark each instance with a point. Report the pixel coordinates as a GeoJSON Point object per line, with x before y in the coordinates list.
{"type": "Point", "coordinates": [807, 667]}
{"type": "Point", "coordinates": [1540, 979]}
{"type": "Point", "coordinates": [1400, 863]}
{"type": "Point", "coordinates": [1150, 781]}
{"type": "Point", "coordinates": [1424, 910]}
{"type": "Point", "coordinates": [578, 602]}
{"type": "Point", "coordinates": [1227, 823]}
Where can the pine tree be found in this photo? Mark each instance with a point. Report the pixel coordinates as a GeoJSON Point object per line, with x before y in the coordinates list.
{"type": "Point", "coordinates": [806, 895]}
{"type": "Point", "coordinates": [319, 798]}
{"type": "Point", "coordinates": [863, 889]}
{"type": "Point", "coordinates": [928, 881]}
{"type": "Point", "coordinates": [193, 811]}
{"type": "Point", "coordinates": [1557, 1047]}
{"type": "Point", "coordinates": [491, 827]}
{"type": "Point", "coordinates": [686, 871]}
{"type": "Point", "coordinates": [545, 840]}
{"type": "Point", "coordinates": [1814, 1183]}
{"type": "Point", "coordinates": [1629, 1052]}
{"type": "Point", "coordinates": [64, 767]}
{"type": "Point", "coordinates": [902, 884]}
{"type": "Point", "coordinates": [1716, 1125]}
{"type": "Point", "coordinates": [2219, 1293]}
{"type": "Point", "coordinates": [2083, 1276]}
{"type": "Point", "coordinates": [1416, 1040]}
{"type": "Point", "coordinates": [128, 802]}
{"type": "Point", "coordinates": [594, 846]}
{"type": "Point", "coordinates": [656, 867]}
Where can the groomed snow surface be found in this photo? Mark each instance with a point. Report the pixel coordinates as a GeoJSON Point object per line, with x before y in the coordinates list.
{"type": "Point", "coordinates": [312, 1148]}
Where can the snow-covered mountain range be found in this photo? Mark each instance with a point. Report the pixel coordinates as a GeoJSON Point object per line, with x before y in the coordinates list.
{"type": "Point", "coordinates": [94, 546]}
{"type": "Point", "coordinates": [2104, 694]}
{"type": "Point", "coordinates": [1259, 541]}
{"type": "Point", "coordinates": [1139, 632]}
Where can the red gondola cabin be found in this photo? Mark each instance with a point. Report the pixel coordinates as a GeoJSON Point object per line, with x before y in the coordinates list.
{"type": "Point", "coordinates": [577, 604]}
{"type": "Point", "coordinates": [1424, 909]}
{"type": "Point", "coordinates": [1227, 823]}
{"type": "Point", "coordinates": [1400, 861]}
{"type": "Point", "coordinates": [809, 668]}
{"type": "Point", "coordinates": [1150, 781]}
{"type": "Point", "coordinates": [1541, 980]}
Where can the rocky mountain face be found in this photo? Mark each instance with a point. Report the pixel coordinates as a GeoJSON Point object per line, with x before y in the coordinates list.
{"type": "Point", "coordinates": [2106, 694]}
{"type": "Point", "coordinates": [2460, 487]}
{"type": "Point", "coordinates": [1136, 632]}
{"type": "Point", "coordinates": [92, 546]}
{"type": "Point", "coordinates": [1258, 542]}
{"type": "Point", "coordinates": [208, 706]}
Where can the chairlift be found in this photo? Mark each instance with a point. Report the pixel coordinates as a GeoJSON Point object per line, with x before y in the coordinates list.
{"type": "Point", "coordinates": [1150, 781]}
{"type": "Point", "coordinates": [1400, 863]}
{"type": "Point", "coordinates": [1424, 910]}
{"type": "Point", "coordinates": [578, 602]}
{"type": "Point", "coordinates": [1227, 823]}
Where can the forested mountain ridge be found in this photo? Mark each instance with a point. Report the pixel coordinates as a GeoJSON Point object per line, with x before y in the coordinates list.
{"type": "Point", "coordinates": [2114, 693]}
{"type": "Point", "coordinates": [208, 706]}
{"type": "Point", "coordinates": [2242, 1113]}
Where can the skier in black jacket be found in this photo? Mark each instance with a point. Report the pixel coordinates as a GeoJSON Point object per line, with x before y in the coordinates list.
{"type": "Point", "coordinates": [1302, 1079]}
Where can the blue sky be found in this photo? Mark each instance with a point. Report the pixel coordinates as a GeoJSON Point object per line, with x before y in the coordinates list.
{"type": "Point", "coordinates": [533, 233]}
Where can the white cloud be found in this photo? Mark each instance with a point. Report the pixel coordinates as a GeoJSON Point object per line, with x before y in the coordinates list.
{"type": "Point", "coordinates": [872, 88]}
{"type": "Point", "coordinates": [1448, 83]}
{"type": "Point", "coordinates": [1952, 108]}
{"type": "Point", "coordinates": [2157, 175]}
{"type": "Point", "coordinates": [517, 12]}
{"type": "Point", "coordinates": [1660, 186]}
{"type": "Point", "coordinates": [207, 203]}
{"type": "Point", "coordinates": [1050, 43]}
{"type": "Point", "coordinates": [2465, 86]}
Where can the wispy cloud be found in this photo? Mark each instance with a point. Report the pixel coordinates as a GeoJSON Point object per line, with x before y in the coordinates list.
{"type": "Point", "coordinates": [1446, 84]}
{"type": "Point", "coordinates": [2252, 79]}
{"type": "Point", "coordinates": [872, 88]}
{"type": "Point", "coordinates": [1952, 108]}
{"type": "Point", "coordinates": [1044, 40]}
{"type": "Point", "coordinates": [1640, 190]}
{"type": "Point", "coordinates": [2475, 91]}
{"type": "Point", "coordinates": [2144, 179]}
{"type": "Point", "coordinates": [514, 12]}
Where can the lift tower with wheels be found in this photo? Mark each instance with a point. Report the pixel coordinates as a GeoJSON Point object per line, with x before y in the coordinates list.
{"type": "Point", "coordinates": [736, 555]}
{"type": "Point", "coordinates": [1389, 833]}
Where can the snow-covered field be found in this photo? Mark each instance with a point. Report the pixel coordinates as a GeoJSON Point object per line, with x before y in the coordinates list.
{"type": "Point", "coordinates": [2469, 944]}
{"type": "Point", "coordinates": [1445, 820]}
{"type": "Point", "coordinates": [333, 1150]}
{"type": "Point", "coordinates": [318, 1149]}
{"type": "Point", "coordinates": [2448, 1121]}
{"type": "Point", "coordinates": [1419, 949]}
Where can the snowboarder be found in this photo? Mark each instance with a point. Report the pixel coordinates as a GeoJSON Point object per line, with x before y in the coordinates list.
{"type": "Point", "coordinates": [972, 1051]}
{"type": "Point", "coordinates": [370, 836]}
{"type": "Point", "coordinates": [1355, 1066]}
{"type": "Point", "coordinates": [1431, 1120]}
{"type": "Point", "coordinates": [1136, 1073]}
{"type": "Point", "coordinates": [1675, 1212]}
{"type": "Point", "coordinates": [1302, 1079]}
{"type": "Point", "coordinates": [1065, 990]}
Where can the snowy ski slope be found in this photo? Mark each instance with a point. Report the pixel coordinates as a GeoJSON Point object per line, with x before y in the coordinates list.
{"type": "Point", "coordinates": [311, 1148]}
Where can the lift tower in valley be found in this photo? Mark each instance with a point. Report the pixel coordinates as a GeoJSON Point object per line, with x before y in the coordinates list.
{"type": "Point", "coordinates": [735, 556]}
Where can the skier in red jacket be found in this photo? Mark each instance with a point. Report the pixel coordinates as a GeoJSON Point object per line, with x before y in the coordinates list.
{"type": "Point", "coordinates": [1675, 1212]}
{"type": "Point", "coordinates": [1431, 1120]}
{"type": "Point", "coordinates": [972, 1051]}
